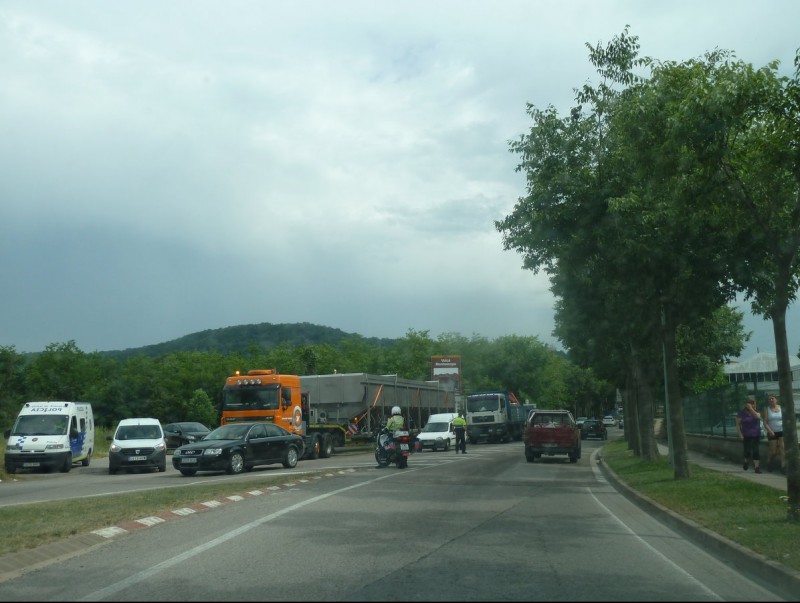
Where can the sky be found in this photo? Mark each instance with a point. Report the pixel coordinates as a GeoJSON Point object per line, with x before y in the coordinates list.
{"type": "Point", "coordinates": [172, 167]}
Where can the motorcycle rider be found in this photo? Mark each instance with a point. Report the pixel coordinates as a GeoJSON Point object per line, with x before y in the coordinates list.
{"type": "Point", "coordinates": [394, 423]}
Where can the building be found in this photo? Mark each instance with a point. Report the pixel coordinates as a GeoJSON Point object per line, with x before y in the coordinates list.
{"type": "Point", "coordinates": [760, 372]}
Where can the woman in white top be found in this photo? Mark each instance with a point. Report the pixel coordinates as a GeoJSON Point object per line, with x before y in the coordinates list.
{"type": "Point", "coordinates": [773, 423]}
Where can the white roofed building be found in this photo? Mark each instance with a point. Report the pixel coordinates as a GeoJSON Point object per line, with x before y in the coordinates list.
{"type": "Point", "coordinates": [761, 371]}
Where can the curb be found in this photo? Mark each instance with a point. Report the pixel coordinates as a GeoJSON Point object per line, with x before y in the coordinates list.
{"type": "Point", "coordinates": [771, 575]}
{"type": "Point", "coordinates": [18, 563]}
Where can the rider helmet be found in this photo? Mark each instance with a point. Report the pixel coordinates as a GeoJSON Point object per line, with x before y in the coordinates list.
{"type": "Point", "coordinates": [396, 410]}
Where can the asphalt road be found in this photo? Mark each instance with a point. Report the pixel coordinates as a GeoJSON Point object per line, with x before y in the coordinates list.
{"type": "Point", "coordinates": [482, 526]}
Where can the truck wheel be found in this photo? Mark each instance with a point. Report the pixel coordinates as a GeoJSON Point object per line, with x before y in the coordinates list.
{"type": "Point", "coordinates": [10, 469]}
{"type": "Point", "coordinates": [326, 448]}
{"type": "Point", "coordinates": [313, 451]}
{"type": "Point", "coordinates": [290, 458]}
{"type": "Point", "coordinates": [574, 458]}
{"type": "Point", "coordinates": [235, 464]}
{"type": "Point", "coordinates": [529, 456]}
{"type": "Point", "coordinates": [65, 468]}
{"type": "Point", "coordinates": [188, 472]}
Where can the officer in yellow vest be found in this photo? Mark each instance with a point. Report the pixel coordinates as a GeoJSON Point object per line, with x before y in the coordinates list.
{"type": "Point", "coordinates": [460, 426]}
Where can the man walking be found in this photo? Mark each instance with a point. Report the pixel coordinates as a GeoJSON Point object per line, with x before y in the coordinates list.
{"type": "Point", "coordinates": [460, 426]}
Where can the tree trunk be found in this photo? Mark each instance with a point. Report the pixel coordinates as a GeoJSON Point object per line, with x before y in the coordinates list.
{"type": "Point", "coordinates": [679, 448]}
{"type": "Point", "coordinates": [789, 416]}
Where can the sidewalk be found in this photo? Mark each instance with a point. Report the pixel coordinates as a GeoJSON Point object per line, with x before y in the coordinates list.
{"type": "Point", "coordinates": [776, 479]}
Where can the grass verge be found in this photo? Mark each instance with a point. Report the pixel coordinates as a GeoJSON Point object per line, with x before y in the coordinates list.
{"type": "Point", "coordinates": [752, 515]}
{"type": "Point", "coordinates": [30, 526]}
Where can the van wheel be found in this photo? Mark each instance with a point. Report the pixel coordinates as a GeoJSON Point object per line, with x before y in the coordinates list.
{"type": "Point", "coordinates": [85, 462]}
{"type": "Point", "coordinates": [65, 468]}
{"type": "Point", "coordinates": [447, 445]}
{"type": "Point", "coordinates": [112, 470]}
{"type": "Point", "coordinates": [188, 472]}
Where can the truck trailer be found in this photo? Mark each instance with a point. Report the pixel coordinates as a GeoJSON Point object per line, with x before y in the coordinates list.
{"type": "Point", "coordinates": [329, 410]}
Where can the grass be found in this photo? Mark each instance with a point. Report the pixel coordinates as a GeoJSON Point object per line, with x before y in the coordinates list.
{"type": "Point", "coordinates": [750, 514]}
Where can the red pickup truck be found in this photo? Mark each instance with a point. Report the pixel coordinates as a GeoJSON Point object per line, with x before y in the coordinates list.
{"type": "Point", "coordinates": [551, 432]}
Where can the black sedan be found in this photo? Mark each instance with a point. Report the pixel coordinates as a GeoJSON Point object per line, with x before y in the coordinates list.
{"type": "Point", "coordinates": [592, 428]}
{"type": "Point", "coordinates": [178, 434]}
{"type": "Point", "coordinates": [238, 447]}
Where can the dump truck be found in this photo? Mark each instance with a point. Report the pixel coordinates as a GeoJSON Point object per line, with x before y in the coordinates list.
{"type": "Point", "coordinates": [494, 416]}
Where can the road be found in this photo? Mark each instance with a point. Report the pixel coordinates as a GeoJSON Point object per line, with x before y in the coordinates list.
{"type": "Point", "coordinates": [484, 526]}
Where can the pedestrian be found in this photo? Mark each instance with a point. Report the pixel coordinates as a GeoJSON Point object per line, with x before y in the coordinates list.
{"type": "Point", "coordinates": [748, 425]}
{"type": "Point", "coordinates": [773, 423]}
{"type": "Point", "coordinates": [460, 427]}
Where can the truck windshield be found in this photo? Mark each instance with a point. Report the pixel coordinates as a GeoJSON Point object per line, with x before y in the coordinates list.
{"type": "Point", "coordinates": [251, 399]}
{"type": "Point", "coordinates": [483, 404]}
{"type": "Point", "coordinates": [41, 425]}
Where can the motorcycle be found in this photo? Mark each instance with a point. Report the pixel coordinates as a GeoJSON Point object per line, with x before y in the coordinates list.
{"type": "Point", "coordinates": [393, 448]}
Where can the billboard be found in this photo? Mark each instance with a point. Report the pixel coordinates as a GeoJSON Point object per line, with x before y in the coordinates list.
{"type": "Point", "coordinates": [447, 371]}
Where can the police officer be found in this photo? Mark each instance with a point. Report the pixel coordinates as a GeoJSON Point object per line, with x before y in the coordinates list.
{"type": "Point", "coordinates": [460, 425]}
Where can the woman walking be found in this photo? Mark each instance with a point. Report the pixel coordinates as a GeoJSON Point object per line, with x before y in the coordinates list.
{"type": "Point", "coordinates": [748, 424]}
{"type": "Point", "coordinates": [773, 423]}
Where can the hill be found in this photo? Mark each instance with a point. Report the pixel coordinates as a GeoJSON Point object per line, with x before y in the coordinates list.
{"type": "Point", "coordinates": [239, 338]}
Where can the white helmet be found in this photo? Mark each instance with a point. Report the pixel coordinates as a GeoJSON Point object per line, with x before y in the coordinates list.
{"type": "Point", "coordinates": [396, 410]}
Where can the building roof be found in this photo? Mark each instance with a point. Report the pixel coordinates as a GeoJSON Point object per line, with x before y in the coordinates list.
{"type": "Point", "coordinates": [763, 362]}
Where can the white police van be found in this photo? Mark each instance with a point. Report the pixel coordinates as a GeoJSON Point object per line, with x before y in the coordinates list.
{"type": "Point", "coordinates": [50, 435]}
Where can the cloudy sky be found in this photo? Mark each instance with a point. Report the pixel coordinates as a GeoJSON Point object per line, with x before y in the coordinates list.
{"type": "Point", "coordinates": [172, 167]}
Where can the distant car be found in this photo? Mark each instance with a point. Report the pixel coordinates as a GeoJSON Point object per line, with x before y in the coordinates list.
{"type": "Point", "coordinates": [238, 447]}
{"type": "Point", "coordinates": [137, 444]}
{"type": "Point", "coordinates": [178, 434]}
{"type": "Point", "coordinates": [592, 428]}
{"type": "Point", "coordinates": [620, 423]}
{"type": "Point", "coordinates": [609, 421]}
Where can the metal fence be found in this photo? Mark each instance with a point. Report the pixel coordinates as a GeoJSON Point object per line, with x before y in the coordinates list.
{"type": "Point", "coordinates": [713, 412]}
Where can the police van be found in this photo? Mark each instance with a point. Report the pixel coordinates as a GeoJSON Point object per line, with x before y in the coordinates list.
{"type": "Point", "coordinates": [49, 436]}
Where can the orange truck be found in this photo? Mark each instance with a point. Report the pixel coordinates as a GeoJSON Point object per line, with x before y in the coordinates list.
{"type": "Point", "coordinates": [266, 395]}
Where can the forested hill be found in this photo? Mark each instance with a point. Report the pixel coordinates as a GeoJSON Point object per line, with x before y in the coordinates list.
{"type": "Point", "coordinates": [240, 338]}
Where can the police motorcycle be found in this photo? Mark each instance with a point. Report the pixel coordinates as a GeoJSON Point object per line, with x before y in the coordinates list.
{"type": "Point", "coordinates": [392, 447]}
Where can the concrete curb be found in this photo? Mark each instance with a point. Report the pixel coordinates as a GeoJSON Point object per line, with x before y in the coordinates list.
{"type": "Point", "coordinates": [773, 576]}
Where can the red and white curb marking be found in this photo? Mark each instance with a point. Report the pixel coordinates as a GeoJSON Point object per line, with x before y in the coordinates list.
{"type": "Point", "coordinates": [148, 522]}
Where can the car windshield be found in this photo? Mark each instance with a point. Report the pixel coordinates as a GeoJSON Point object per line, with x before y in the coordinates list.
{"type": "Point", "coordinates": [228, 432]}
{"type": "Point", "coordinates": [435, 427]}
{"type": "Point", "coordinates": [138, 432]}
{"type": "Point", "coordinates": [193, 427]}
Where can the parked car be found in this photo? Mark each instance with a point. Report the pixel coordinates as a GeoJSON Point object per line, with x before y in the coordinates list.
{"type": "Point", "coordinates": [238, 447]}
{"type": "Point", "coordinates": [592, 428]}
{"type": "Point", "coordinates": [609, 421]}
{"type": "Point", "coordinates": [178, 434]}
{"type": "Point", "coordinates": [137, 443]}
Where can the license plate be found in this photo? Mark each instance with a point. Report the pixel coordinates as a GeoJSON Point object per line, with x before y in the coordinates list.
{"type": "Point", "coordinates": [403, 446]}
{"type": "Point", "coordinates": [30, 464]}
{"type": "Point", "coordinates": [188, 461]}
{"type": "Point", "coordinates": [137, 458]}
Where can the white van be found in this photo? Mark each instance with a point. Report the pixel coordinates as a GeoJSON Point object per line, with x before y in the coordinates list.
{"type": "Point", "coordinates": [438, 433]}
{"type": "Point", "coordinates": [50, 435]}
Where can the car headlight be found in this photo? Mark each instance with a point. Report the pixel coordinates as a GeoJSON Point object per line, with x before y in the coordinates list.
{"type": "Point", "coordinates": [213, 451]}
{"type": "Point", "coordinates": [161, 446]}
{"type": "Point", "coordinates": [114, 448]}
